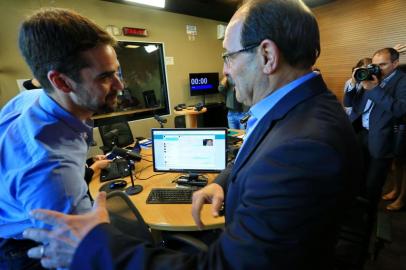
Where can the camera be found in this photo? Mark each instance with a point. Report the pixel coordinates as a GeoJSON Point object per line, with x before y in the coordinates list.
{"type": "Point", "coordinates": [365, 74]}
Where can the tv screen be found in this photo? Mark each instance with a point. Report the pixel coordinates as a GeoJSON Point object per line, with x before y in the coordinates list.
{"type": "Point", "coordinates": [192, 150]}
{"type": "Point", "coordinates": [203, 83]}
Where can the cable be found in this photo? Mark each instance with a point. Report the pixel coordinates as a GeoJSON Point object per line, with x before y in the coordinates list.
{"type": "Point", "coordinates": [140, 171]}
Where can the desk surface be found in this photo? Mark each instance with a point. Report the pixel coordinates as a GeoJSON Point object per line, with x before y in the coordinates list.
{"type": "Point", "coordinates": [167, 217]}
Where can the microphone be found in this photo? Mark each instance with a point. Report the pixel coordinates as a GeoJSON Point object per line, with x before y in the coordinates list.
{"type": "Point", "coordinates": [245, 119]}
{"type": "Point", "coordinates": [160, 119]}
{"type": "Point", "coordinates": [126, 154]}
{"type": "Point", "coordinates": [129, 155]}
{"type": "Point", "coordinates": [112, 133]}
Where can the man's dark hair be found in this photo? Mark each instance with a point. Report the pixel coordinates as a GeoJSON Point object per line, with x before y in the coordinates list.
{"type": "Point", "coordinates": [54, 38]}
{"type": "Point", "coordinates": [394, 54]}
{"type": "Point", "coordinates": [289, 24]}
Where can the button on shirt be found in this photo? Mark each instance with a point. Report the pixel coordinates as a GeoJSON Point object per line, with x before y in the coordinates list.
{"type": "Point", "coordinates": [259, 110]}
{"type": "Point", "coordinates": [42, 161]}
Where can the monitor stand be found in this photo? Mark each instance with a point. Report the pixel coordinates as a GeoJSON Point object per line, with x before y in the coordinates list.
{"type": "Point", "coordinates": [192, 179]}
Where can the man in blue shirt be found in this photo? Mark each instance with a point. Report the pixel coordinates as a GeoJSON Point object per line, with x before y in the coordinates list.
{"type": "Point", "coordinates": [45, 133]}
{"type": "Point", "coordinates": [293, 177]}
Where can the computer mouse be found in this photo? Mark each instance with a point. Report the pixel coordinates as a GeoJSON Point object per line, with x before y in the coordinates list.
{"type": "Point", "coordinates": [118, 184]}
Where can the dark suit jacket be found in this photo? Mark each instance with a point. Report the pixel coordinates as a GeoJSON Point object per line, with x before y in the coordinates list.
{"type": "Point", "coordinates": [389, 106]}
{"type": "Point", "coordinates": [284, 196]}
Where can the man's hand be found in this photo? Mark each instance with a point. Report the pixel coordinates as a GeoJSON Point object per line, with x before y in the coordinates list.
{"type": "Point", "coordinates": [99, 157]}
{"type": "Point", "coordinates": [353, 80]}
{"type": "Point", "coordinates": [100, 164]}
{"type": "Point", "coordinates": [401, 48]}
{"type": "Point", "coordinates": [212, 193]}
{"type": "Point", "coordinates": [60, 244]}
{"type": "Point", "coordinates": [368, 85]}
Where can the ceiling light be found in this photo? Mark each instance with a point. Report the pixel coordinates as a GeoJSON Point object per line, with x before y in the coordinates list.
{"type": "Point", "coordinates": [154, 3]}
{"type": "Point", "coordinates": [150, 48]}
{"type": "Point", "coordinates": [131, 46]}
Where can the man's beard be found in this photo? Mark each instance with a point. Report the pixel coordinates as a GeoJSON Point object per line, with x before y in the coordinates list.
{"type": "Point", "coordinates": [91, 103]}
{"type": "Point", "coordinates": [105, 107]}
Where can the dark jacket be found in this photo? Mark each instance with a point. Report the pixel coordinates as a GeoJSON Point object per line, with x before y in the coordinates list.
{"type": "Point", "coordinates": [389, 107]}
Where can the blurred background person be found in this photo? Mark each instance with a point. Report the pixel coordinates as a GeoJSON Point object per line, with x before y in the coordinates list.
{"type": "Point", "coordinates": [352, 84]}
{"type": "Point", "coordinates": [398, 192]}
{"type": "Point", "coordinates": [236, 110]}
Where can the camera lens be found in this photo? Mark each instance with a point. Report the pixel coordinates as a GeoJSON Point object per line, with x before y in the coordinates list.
{"type": "Point", "coordinates": [361, 74]}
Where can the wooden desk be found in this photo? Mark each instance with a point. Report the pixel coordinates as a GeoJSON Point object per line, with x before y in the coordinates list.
{"type": "Point", "coordinates": [165, 217]}
{"type": "Point", "coordinates": [191, 116]}
{"type": "Point", "coordinates": [122, 113]}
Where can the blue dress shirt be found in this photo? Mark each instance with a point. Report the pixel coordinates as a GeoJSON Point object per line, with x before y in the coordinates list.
{"type": "Point", "coordinates": [42, 161]}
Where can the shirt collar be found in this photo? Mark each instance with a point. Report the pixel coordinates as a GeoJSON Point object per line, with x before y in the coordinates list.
{"type": "Point", "coordinates": [53, 108]}
{"type": "Point", "coordinates": [262, 107]}
{"type": "Point", "coordinates": [387, 79]}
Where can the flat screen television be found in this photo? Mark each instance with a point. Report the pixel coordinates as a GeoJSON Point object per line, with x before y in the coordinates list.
{"type": "Point", "coordinates": [203, 83]}
{"type": "Point", "coordinates": [191, 151]}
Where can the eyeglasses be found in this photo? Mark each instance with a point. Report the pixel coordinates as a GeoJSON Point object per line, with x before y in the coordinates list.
{"type": "Point", "coordinates": [226, 55]}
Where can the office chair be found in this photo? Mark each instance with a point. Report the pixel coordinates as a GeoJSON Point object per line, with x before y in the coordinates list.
{"type": "Point", "coordinates": [126, 218]}
{"type": "Point", "coordinates": [118, 134]}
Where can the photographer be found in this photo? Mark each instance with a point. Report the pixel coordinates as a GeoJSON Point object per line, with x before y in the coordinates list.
{"type": "Point", "coordinates": [380, 106]}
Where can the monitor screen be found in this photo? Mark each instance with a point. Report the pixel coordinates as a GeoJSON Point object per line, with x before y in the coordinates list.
{"type": "Point", "coordinates": [203, 83]}
{"type": "Point", "coordinates": [189, 150]}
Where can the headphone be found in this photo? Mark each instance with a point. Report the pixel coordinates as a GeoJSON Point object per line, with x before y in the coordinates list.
{"type": "Point", "coordinates": [180, 107]}
{"type": "Point", "coordinates": [198, 107]}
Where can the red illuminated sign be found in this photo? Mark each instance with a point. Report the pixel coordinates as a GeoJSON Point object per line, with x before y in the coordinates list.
{"type": "Point", "coordinates": [138, 32]}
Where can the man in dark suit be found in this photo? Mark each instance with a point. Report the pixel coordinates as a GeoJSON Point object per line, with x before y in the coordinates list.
{"type": "Point", "coordinates": [295, 173]}
{"type": "Point", "coordinates": [379, 108]}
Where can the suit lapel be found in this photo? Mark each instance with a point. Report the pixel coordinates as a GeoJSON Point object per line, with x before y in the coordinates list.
{"type": "Point", "coordinates": [301, 93]}
{"type": "Point", "coordinates": [376, 112]}
{"type": "Point", "coordinates": [391, 85]}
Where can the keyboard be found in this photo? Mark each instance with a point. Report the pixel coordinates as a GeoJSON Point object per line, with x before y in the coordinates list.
{"type": "Point", "coordinates": [116, 169]}
{"type": "Point", "coordinates": [170, 196]}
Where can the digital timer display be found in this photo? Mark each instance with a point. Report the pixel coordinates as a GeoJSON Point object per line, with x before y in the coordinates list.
{"type": "Point", "coordinates": [195, 81]}
{"type": "Point", "coordinates": [203, 83]}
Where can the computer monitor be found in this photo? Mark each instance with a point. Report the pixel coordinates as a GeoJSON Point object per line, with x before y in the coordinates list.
{"type": "Point", "coordinates": [189, 150]}
{"type": "Point", "coordinates": [203, 83]}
